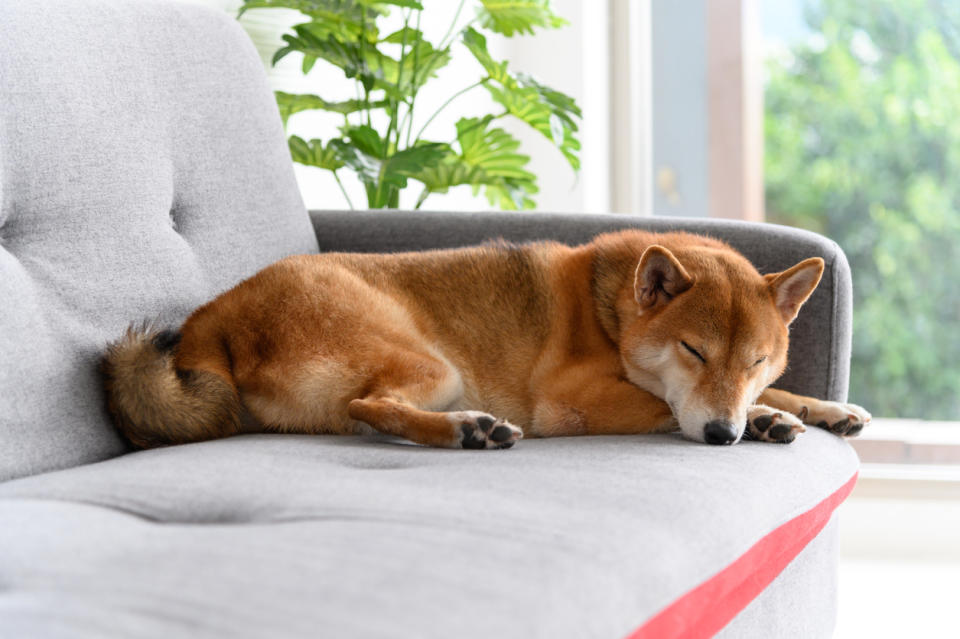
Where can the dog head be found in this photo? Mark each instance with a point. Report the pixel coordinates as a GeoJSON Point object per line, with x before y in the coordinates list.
{"type": "Point", "coordinates": [699, 327]}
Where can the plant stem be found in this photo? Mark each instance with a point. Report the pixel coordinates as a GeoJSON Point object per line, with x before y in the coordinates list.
{"type": "Point", "coordinates": [443, 41]}
{"type": "Point", "coordinates": [342, 190]}
{"type": "Point", "coordinates": [359, 114]}
{"type": "Point", "coordinates": [444, 105]}
{"type": "Point", "coordinates": [363, 61]}
{"type": "Point", "coordinates": [423, 196]}
{"type": "Point", "coordinates": [403, 124]}
{"type": "Point", "coordinates": [416, 88]}
{"type": "Point", "coordinates": [378, 201]}
{"type": "Point", "coordinates": [395, 104]}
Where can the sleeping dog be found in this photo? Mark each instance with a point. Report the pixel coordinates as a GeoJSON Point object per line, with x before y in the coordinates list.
{"type": "Point", "coordinates": [475, 348]}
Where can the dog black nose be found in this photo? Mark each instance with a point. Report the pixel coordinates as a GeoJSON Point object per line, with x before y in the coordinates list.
{"type": "Point", "coordinates": [719, 432]}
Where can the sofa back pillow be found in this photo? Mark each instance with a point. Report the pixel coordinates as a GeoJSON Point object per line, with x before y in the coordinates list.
{"type": "Point", "coordinates": [143, 169]}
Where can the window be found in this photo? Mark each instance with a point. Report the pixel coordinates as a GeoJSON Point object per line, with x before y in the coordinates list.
{"type": "Point", "coordinates": [862, 144]}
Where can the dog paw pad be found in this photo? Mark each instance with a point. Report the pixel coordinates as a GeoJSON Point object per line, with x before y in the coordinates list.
{"type": "Point", "coordinates": [770, 425]}
{"type": "Point", "coordinates": [845, 420]}
{"type": "Point", "coordinates": [481, 431]}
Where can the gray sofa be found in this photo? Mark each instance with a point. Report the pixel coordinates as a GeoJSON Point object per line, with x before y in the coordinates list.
{"type": "Point", "coordinates": [143, 169]}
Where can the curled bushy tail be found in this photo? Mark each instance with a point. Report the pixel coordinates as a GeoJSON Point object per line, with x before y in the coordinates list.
{"type": "Point", "coordinates": [154, 404]}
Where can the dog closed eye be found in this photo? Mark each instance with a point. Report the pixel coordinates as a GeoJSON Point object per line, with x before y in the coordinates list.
{"type": "Point", "coordinates": [694, 352]}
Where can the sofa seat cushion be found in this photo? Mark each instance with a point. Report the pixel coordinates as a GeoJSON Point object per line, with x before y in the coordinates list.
{"type": "Point", "coordinates": [275, 535]}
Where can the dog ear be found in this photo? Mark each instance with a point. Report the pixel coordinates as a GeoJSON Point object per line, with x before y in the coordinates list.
{"type": "Point", "coordinates": [791, 288]}
{"type": "Point", "coordinates": [660, 276]}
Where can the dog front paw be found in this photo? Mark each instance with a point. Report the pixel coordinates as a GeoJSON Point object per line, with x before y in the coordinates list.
{"type": "Point", "coordinates": [480, 430]}
{"type": "Point", "coordinates": [846, 420]}
{"type": "Point", "coordinates": [768, 424]}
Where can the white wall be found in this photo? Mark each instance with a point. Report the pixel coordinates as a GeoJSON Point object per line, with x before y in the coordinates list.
{"type": "Point", "coordinates": [574, 59]}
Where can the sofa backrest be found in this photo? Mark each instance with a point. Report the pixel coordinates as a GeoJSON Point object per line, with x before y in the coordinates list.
{"type": "Point", "coordinates": [143, 169]}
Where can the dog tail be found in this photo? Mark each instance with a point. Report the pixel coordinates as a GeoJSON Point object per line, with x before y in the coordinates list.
{"type": "Point", "coordinates": [153, 403]}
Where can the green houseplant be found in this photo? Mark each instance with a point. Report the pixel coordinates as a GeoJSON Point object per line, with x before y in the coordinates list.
{"type": "Point", "coordinates": [378, 140]}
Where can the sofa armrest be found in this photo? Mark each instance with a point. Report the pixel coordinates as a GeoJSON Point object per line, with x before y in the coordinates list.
{"type": "Point", "coordinates": [820, 337]}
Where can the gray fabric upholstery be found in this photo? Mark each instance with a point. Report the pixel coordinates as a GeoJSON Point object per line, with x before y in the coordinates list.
{"type": "Point", "coordinates": [820, 337]}
{"type": "Point", "coordinates": [299, 536]}
{"type": "Point", "coordinates": [801, 603]}
{"type": "Point", "coordinates": [142, 170]}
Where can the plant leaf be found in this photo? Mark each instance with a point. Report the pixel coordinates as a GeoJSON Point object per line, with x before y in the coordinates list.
{"type": "Point", "coordinates": [395, 170]}
{"type": "Point", "coordinates": [367, 140]}
{"type": "Point", "coordinates": [527, 104]}
{"type": "Point", "coordinates": [420, 54]}
{"type": "Point", "coordinates": [477, 45]}
{"type": "Point", "coordinates": [356, 60]}
{"type": "Point", "coordinates": [342, 18]}
{"type": "Point", "coordinates": [449, 172]}
{"type": "Point", "coordinates": [408, 34]}
{"type": "Point", "coordinates": [552, 113]}
{"type": "Point", "coordinates": [417, 158]}
{"type": "Point", "coordinates": [428, 61]}
{"type": "Point", "coordinates": [307, 7]}
{"type": "Point", "coordinates": [364, 61]}
{"type": "Point", "coordinates": [313, 153]}
{"type": "Point", "coordinates": [291, 103]}
{"type": "Point", "coordinates": [488, 158]}
{"type": "Point", "coordinates": [518, 16]}
{"type": "Point", "coordinates": [366, 167]}
{"type": "Point", "coordinates": [328, 48]}
{"type": "Point", "coordinates": [384, 174]}
{"type": "Point", "coordinates": [510, 195]}
{"type": "Point", "coordinates": [494, 151]}
{"type": "Point", "coordinates": [507, 183]}
{"type": "Point", "coordinates": [407, 4]}
{"type": "Point", "coordinates": [562, 105]}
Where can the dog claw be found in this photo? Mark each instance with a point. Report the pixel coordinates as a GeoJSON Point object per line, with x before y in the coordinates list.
{"type": "Point", "coordinates": [841, 426]}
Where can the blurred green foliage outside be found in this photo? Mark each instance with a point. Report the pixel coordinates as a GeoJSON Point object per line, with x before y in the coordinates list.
{"type": "Point", "coordinates": [862, 144]}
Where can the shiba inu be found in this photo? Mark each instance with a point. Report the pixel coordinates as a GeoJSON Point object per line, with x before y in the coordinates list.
{"type": "Point", "coordinates": [475, 348]}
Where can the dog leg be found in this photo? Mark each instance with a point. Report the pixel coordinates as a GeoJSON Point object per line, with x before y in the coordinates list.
{"type": "Point", "coordinates": [846, 420]}
{"type": "Point", "coordinates": [579, 401]}
{"type": "Point", "coordinates": [458, 429]}
{"type": "Point", "coordinates": [405, 400]}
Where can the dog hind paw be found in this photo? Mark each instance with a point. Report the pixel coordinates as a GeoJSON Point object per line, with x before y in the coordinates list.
{"type": "Point", "coordinates": [482, 431]}
{"type": "Point", "coordinates": [767, 424]}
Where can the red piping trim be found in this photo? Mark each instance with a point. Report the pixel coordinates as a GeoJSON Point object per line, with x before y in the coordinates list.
{"type": "Point", "coordinates": [706, 609]}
